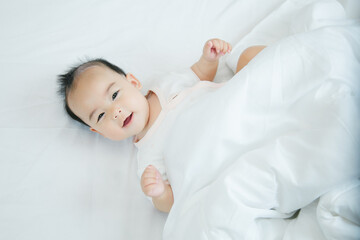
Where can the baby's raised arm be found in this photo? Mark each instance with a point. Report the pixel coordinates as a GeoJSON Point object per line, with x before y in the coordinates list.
{"type": "Point", "coordinates": [207, 66]}
{"type": "Point", "coordinates": [247, 55]}
{"type": "Point", "coordinates": [159, 190]}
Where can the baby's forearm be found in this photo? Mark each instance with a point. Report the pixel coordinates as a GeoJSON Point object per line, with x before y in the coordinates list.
{"type": "Point", "coordinates": [165, 201]}
{"type": "Point", "coordinates": [205, 70]}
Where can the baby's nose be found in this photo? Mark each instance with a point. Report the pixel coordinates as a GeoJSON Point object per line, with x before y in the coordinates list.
{"type": "Point", "coordinates": [117, 113]}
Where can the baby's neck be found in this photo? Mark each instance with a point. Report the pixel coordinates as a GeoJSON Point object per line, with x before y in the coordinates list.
{"type": "Point", "coordinates": [154, 111]}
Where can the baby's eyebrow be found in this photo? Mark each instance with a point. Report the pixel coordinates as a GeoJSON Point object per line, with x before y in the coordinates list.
{"type": "Point", "coordinates": [105, 93]}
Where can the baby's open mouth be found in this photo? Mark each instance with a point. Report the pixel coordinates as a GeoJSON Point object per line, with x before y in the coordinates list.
{"type": "Point", "coordinates": [127, 120]}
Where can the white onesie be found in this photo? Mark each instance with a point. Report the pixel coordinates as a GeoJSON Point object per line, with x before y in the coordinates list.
{"type": "Point", "coordinates": [176, 91]}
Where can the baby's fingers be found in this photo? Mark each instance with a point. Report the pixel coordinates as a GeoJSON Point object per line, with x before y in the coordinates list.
{"type": "Point", "coordinates": [221, 46]}
{"type": "Point", "coordinates": [225, 47]}
{"type": "Point", "coordinates": [217, 45]}
{"type": "Point", "coordinates": [229, 47]}
{"type": "Point", "coordinates": [148, 182]}
{"type": "Point", "coordinates": [209, 45]}
{"type": "Point", "coordinates": [147, 176]}
{"type": "Point", "coordinates": [149, 189]}
{"type": "Point", "coordinates": [150, 172]}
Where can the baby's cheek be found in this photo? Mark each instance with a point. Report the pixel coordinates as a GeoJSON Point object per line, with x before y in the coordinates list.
{"type": "Point", "coordinates": [108, 132]}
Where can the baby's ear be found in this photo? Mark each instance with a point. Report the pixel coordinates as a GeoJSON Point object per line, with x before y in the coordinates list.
{"type": "Point", "coordinates": [134, 81]}
{"type": "Point", "coordinates": [93, 130]}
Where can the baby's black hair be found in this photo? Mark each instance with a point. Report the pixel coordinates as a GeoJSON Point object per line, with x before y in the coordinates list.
{"type": "Point", "coordinates": [66, 80]}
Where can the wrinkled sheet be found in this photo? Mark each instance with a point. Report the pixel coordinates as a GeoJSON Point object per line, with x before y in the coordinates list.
{"type": "Point", "coordinates": [57, 179]}
{"type": "Point", "coordinates": [281, 133]}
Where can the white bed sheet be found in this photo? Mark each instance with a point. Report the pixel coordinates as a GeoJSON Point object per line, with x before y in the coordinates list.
{"type": "Point", "coordinates": [57, 179]}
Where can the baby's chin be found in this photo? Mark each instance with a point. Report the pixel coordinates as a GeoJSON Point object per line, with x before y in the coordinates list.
{"type": "Point", "coordinates": [115, 137]}
{"type": "Point", "coordinates": [118, 138]}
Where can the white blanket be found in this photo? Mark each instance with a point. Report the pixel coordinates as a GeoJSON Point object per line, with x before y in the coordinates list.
{"type": "Point", "coordinates": [289, 125]}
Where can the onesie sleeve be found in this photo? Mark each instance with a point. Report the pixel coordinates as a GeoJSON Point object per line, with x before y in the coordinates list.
{"type": "Point", "coordinates": [174, 82]}
{"type": "Point", "coordinates": [150, 156]}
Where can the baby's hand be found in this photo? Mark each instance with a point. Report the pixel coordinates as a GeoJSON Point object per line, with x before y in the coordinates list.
{"type": "Point", "coordinates": [152, 183]}
{"type": "Point", "coordinates": [215, 48]}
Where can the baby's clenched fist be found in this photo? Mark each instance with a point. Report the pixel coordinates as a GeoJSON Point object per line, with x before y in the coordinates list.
{"type": "Point", "coordinates": [215, 48]}
{"type": "Point", "coordinates": [152, 183]}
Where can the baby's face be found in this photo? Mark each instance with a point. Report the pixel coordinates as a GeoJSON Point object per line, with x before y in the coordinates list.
{"type": "Point", "coordinates": [111, 104]}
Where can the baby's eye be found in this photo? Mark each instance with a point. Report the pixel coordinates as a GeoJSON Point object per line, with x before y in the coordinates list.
{"type": "Point", "coordinates": [114, 95]}
{"type": "Point", "coordinates": [100, 116]}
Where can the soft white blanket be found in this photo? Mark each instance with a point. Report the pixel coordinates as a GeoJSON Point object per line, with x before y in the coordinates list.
{"type": "Point", "coordinates": [281, 133]}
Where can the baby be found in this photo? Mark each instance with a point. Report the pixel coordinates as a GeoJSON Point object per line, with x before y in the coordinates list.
{"type": "Point", "coordinates": [108, 101]}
